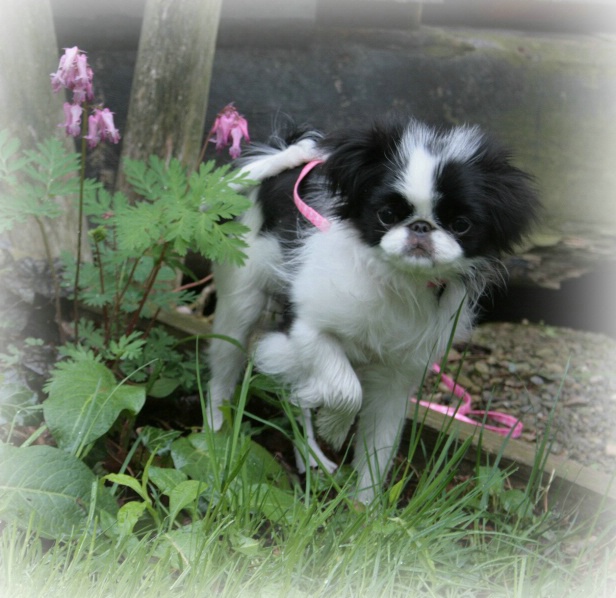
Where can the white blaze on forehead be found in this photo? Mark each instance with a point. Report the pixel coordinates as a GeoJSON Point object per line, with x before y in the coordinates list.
{"type": "Point", "coordinates": [417, 180]}
{"type": "Point", "coordinates": [422, 153]}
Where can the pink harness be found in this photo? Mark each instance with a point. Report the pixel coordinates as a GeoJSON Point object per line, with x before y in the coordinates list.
{"type": "Point", "coordinates": [322, 223]}
{"type": "Point", "coordinates": [509, 425]}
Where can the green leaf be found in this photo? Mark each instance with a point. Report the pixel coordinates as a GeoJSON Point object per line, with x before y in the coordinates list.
{"type": "Point", "coordinates": [139, 227]}
{"type": "Point", "coordinates": [185, 494]}
{"type": "Point", "coordinates": [127, 347]}
{"type": "Point", "coordinates": [158, 441]}
{"type": "Point", "coordinates": [165, 478]}
{"type": "Point", "coordinates": [18, 404]}
{"type": "Point", "coordinates": [130, 482]}
{"type": "Point", "coordinates": [513, 501]}
{"type": "Point", "coordinates": [163, 387]}
{"type": "Point", "coordinates": [84, 402]}
{"type": "Point", "coordinates": [245, 545]}
{"type": "Point", "coordinates": [277, 505]}
{"type": "Point", "coordinates": [50, 488]}
{"type": "Point", "coordinates": [128, 515]}
{"type": "Point", "coordinates": [201, 455]}
{"type": "Point", "coordinates": [189, 544]}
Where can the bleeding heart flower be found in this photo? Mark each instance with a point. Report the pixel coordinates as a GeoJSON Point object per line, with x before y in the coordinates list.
{"type": "Point", "coordinates": [72, 119]}
{"type": "Point", "coordinates": [101, 128]}
{"type": "Point", "coordinates": [74, 74]}
{"type": "Point", "coordinates": [230, 128]}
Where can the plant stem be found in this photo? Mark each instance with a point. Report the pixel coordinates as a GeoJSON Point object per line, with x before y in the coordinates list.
{"type": "Point", "coordinates": [119, 294]}
{"type": "Point", "coordinates": [202, 154]}
{"type": "Point", "coordinates": [54, 279]}
{"type": "Point", "coordinates": [82, 178]}
{"type": "Point", "coordinates": [101, 275]}
{"type": "Point", "coordinates": [148, 288]}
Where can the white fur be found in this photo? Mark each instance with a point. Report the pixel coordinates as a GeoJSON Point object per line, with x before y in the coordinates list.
{"type": "Point", "coordinates": [274, 161]}
{"type": "Point", "coordinates": [417, 182]}
{"type": "Point", "coordinates": [360, 342]}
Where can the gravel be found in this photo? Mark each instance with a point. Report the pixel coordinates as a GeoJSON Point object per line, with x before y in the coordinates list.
{"type": "Point", "coordinates": [556, 380]}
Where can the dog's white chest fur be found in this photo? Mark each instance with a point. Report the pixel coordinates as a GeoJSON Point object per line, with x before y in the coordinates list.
{"type": "Point", "coordinates": [377, 315]}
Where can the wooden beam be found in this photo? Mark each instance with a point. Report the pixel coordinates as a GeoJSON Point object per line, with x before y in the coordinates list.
{"type": "Point", "coordinates": [169, 95]}
{"type": "Point", "coordinates": [570, 486]}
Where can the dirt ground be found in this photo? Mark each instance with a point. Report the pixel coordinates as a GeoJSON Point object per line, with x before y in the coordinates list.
{"type": "Point", "coordinates": [556, 380]}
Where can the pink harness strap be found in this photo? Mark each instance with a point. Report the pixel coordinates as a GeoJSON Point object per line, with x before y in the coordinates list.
{"type": "Point", "coordinates": [509, 424]}
{"type": "Point", "coordinates": [322, 223]}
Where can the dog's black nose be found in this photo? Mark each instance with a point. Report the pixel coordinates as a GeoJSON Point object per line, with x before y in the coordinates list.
{"type": "Point", "coordinates": [421, 227]}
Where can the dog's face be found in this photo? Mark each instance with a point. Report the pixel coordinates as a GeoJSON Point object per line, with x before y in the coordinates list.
{"type": "Point", "coordinates": [428, 199]}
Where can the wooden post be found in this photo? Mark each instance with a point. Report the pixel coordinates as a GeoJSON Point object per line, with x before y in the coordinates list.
{"type": "Point", "coordinates": [31, 112]}
{"type": "Point", "coordinates": [168, 101]}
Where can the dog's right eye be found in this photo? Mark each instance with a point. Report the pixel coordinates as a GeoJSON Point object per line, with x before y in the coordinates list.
{"type": "Point", "coordinates": [387, 217]}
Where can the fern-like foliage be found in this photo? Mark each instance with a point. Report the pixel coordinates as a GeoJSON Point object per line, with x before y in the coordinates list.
{"type": "Point", "coordinates": [183, 211]}
{"type": "Point", "coordinates": [137, 243]}
{"type": "Point", "coordinates": [31, 180]}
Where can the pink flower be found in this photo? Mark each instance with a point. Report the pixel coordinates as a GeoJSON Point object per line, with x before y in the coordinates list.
{"type": "Point", "coordinates": [230, 124]}
{"type": "Point", "coordinates": [74, 74]}
{"type": "Point", "coordinates": [101, 128]}
{"type": "Point", "coordinates": [72, 119]}
{"type": "Point", "coordinates": [94, 131]}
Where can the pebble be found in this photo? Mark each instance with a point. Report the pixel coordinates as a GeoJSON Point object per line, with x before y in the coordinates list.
{"type": "Point", "coordinates": [482, 368]}
{"type": "Point", "coordinates": [573, 374]}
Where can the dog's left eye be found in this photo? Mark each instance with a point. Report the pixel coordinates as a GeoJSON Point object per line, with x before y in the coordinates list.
{"type": "Point", "coordinates": [461, 225]}
{"type": "Point", "coordinates": [387, 217]}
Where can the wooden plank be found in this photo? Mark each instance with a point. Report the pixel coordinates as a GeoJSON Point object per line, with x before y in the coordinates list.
{"type": "Point", "coordinates": [571, 486]}
{"type": "Point", "coordinates": [169, 95]}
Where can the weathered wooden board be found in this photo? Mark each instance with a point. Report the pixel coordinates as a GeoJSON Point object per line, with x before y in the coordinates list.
{"type": "Point", "coordinates": [570, 486]}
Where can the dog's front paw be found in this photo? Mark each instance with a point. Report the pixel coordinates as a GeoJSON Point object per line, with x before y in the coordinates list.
{"type": "Point", "coordinates": [333, 426]}
{"type": "Point", "coordinates": [340, 394]}
{"type": "Point", "coordinates": [214, 419]}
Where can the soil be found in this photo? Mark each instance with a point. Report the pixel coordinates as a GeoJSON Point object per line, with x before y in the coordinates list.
{"type": "Point", "coordinates": [558, 381]}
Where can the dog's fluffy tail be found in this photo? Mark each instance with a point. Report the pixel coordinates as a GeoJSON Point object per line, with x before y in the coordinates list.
{"type": "Point", "coordinates": [265, 161]}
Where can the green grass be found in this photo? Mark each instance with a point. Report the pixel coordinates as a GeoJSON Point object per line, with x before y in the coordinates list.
{"type": "Point", "coordinates": [326, 550]}
{"type": "Point", "coordinates": [432, 532]}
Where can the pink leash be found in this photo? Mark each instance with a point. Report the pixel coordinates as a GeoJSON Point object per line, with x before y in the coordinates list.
{"type": "Point", "coordinates": [509, 425]}
{"type": "Point", "coordinates": [309, 213]}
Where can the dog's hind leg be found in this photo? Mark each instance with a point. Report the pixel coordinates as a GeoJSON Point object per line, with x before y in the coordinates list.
{"type": "Point", "coordinates": [241, 300]}
{"type": "Point", "coordinates": [312, 455]}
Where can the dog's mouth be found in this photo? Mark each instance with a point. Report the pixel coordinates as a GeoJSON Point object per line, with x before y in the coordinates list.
{"type": "Point", "coordinates": [419, 245]}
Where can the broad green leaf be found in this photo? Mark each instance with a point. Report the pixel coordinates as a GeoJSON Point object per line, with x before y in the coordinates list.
{"type": "Point", "coordinates": [128, 515]}
{"type": "Point", "coordinates": [513, 501]}
{"type": "Point", "coordinates": [245, 545]}
{"type": "Point", "coordinates": [198, 462]}
{"type": "Point", "coordinates": [277, 505]}
{"type": "Point", "coordinates": [84, 402]}
{"type": "Point", "coordinates": [189, 543]}
{"type": "Point", "coordinates": [158, 441]}
{"type": "Point", "coordinates": [163, 387]}
{"type": "Point", "coordinates": [130, 482]}
{"type": "Point", "coordinates": [185, 494]}
{"type": "Point", "coordinates": [200, 455]}
{"type": "Point", "coordinates": [18, 404]}
{"type": "Point", "coordinates": [165, 478]}
{"type": "Point", "coordinates": [49, 487]}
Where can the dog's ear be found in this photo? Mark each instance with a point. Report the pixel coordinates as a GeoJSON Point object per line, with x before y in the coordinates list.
{"type": "Point", "coordinates": [358, 160]}
{"type": "Point", "coordinates": [507, 194]}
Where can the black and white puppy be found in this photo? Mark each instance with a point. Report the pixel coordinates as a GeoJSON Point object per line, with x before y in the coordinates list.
{"type": "Point", "coordinates": [417, 219]}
